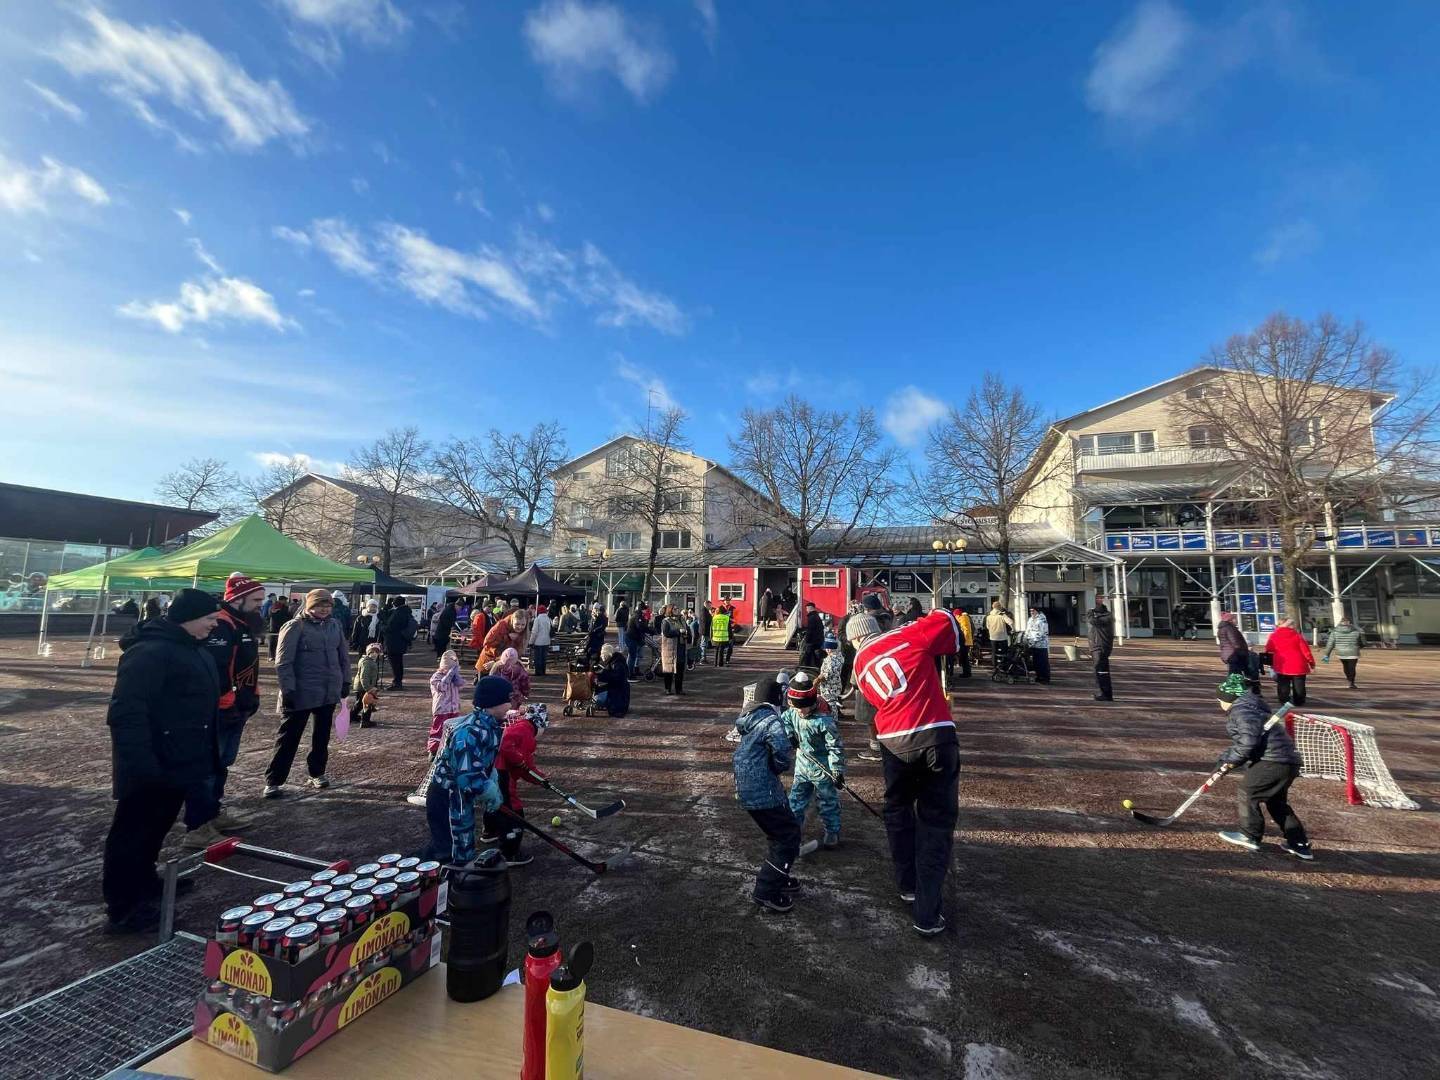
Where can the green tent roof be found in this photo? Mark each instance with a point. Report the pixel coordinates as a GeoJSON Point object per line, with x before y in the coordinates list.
{"type": "Point", "coordinates": [251, 547]}
{"type": "Point", "coordinates": [114, 574]}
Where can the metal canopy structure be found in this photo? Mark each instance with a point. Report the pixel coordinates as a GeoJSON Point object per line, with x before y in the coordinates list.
{"type": "Point", "coordinates": [41, 514]}
{"type": "Point", "coordinates": [1067, 553]}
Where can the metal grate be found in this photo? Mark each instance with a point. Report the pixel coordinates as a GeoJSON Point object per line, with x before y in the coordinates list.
{"type": "Point", "coordinates": [121, 1015]}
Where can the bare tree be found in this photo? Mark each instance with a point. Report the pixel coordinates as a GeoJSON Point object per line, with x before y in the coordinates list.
{"type": "Point", "coordinates": [204, 484]}
{"type": "Point", "coordinates": [814, 470]}
{"type": "Point", "coordinates": [392, 467]}
{"type": "Point", "coordinates": [649, 484]}
{"type": "Point", "coordinates": [279, 483]}
{"type": "Point", "coordinates": [502, 482]}
{"type": "Point", "coordinates": [1320, 420]}
{"type": "Point", "coordinates": [984, 467]}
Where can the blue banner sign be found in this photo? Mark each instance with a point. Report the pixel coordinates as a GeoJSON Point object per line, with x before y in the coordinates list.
{"type": "Point", "coordinates": [1192, 541]}
{"type": "Point", "coordinates": [1167, 541]}
{"type": "Point", "coordinates": [1351, 538]}
{"type": "Point", "coordinates": [1253, 540]}
{"type": "Point", "coordinates": [1247, 603]}
{"type": "Point", "coordinates": [1142, 542]}
{"type": "Point", "coordinates": [1266, 623]}
{"type": "Point", "coordinates": [1380, 537]}
{"type": "Point", "coordinates": [1117, 543]}
{"type": "Point", "coordinates": [1264, 584]}
{"type": "Point", "coordinates": [1227, 541]}
{"type": "Point", "coordinates": [1411, 537]}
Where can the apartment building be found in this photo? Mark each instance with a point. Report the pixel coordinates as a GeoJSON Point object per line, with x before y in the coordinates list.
{"type": "Point", "coordinates": [1136, 479]}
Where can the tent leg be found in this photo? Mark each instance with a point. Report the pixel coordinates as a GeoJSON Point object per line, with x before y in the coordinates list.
{"type": "Point", "coordinates": [94, 622]}
{"type": "Point", "coordinates": [44, 622]}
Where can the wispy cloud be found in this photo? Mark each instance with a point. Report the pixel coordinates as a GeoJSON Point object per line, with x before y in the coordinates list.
{"type": "Point", "coordinates": [149, 68]}
{"type": "Point", "coordinates": [360, 185]}
{"type": "Point", "coordinates": [33, 189]}
{"type": "Point", "coordinates": [545, 212]}
{"type": "Point", "coordinates": [474, 198]}
{"type": "Point", "coordinates": [1158, 64]}
{"type": "Point", "coordinates": [317, 26]}
{"type": "Point", "coordinates": [575, 41]}
{"type": "Point", "coordinates": [450, 278]}
{"type": "Point", "coordinates": [589, 276]}
{"type": "Point", "coordinates": [709, 21]}
{"type": "Point", "coordinates": [182, 214]}
{"type": "Point", "coordinates": [268, 458]}
{"type": "Point", "coordinates": [1293, 240]}
{"type": "Point", "coordinates": [211, 263]}
{"type": "Point", "coordinates": [60, 104]}
{"type": "Point", "coordinates": [765, 384]}
{"type": "Point", "coordinates": [650, 384]}
{"type": "Point", "coordinates": [909, 414]}
{"type": "Point", "coordinates": [203, 301]}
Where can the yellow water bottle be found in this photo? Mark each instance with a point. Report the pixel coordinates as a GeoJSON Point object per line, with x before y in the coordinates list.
{"type": "Point", "coordinates": [565, 1016]}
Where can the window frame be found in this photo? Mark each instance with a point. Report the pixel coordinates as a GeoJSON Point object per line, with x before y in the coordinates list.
{"type": "Point", "coordinates": [727, 590]}
{"type": "Point", "coordinates": [831, 579]}
{"type": "Point", "coordinates": [612, 543]}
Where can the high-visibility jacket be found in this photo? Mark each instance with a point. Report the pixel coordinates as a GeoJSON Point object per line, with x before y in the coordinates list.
{"type": "Point", "coordinates": [720, 627]}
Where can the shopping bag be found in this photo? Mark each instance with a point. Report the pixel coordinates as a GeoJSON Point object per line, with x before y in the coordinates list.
{"type": "Point", "coordinates": [342, 719]}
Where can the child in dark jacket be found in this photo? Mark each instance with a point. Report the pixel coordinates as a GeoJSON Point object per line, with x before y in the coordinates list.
{"type": "Point", "coordinates": [465, 774]}
{"type": "Point", "coordinates": [1270, 763]}
{"type": "Point", "coordinates": [763, 755]}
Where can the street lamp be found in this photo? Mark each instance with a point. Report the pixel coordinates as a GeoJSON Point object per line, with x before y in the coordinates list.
{"type": "Point", "coordinates": [950, 547]}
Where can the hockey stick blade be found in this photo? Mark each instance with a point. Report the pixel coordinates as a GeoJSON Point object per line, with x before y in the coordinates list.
{"type": "Point", "coordinates": [1148, 820]}
{"type": "Point", "coordinates": [607, 811]}
{"type": "Point", "coordinates": [593, 867]}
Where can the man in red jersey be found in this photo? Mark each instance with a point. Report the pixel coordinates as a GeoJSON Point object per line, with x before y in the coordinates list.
{"type": "Point", "coordinates": [920, 754]}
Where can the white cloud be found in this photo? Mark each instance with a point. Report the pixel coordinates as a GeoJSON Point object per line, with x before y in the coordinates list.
{"type": "Point", "coordinates": [573, 40]}
{"type": "Point", "coordinates": [709, 21]}
{"type": "Point", "coordinates": [31, 257]}
{"type": "Point", "coordinates": [267, 458]}
{"type": "Point", "coordinates": [347, 250]}
{"type": "Point", "coordinates": [653, 387]}
{"type": "Point", "coordinates": [306, 293]}
{"type": "Point", "coordinates": [360, 185]}
{"type": "Point", "coordinates": [183, 215]}
{"type": "Point", "coordinates": [770, 383]}
{"type": "Point", "coordinates": [909, 414]}
{"type": "Point", "coordinates": [210, 300]}
{"type": "Point", "coordinates": [382, 152]}
{"type": "Point", "coordinates": [211, 263]}
{"type": "Point", "coordinates": [544, 212]}
{"type": "Point", "coordinates": [147, 66]}
{"type": "Point", "coordinates": [474, 198]}
{"type": "Point", "coordinates": [299, 237]}
{"type": "Point", "coordinates": [442, 275]}
{"type": "Point", "coordinates": [1293, 240]}
{"type": "Point", "coordinates": [320, 24]}
{"type": "Point", "coordinates": [1159, 62]}
{"type": "Point", "coordinates": [29, 189]}
{"type": "Point", "coordinates": [589, 276]}
{"type": "Point", "coordinates": [58, 103]}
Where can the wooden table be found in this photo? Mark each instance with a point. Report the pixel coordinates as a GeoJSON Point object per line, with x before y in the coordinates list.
{"type": "Point", "coordinates": [420, 1033]}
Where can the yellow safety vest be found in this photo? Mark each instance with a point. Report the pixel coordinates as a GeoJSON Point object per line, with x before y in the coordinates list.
{"type": "Point", "coordinates": [720, 628]}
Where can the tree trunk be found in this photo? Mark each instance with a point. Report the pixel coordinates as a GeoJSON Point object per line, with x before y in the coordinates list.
{"type": "Point", "coordinates": [1290, 573]}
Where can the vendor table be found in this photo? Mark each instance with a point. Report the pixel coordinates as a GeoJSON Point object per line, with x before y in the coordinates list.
{"type": "Point", "coordinates": [420, 1033]}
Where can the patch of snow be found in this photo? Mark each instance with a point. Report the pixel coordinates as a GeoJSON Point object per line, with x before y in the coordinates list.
{"type": "Point", "coordinates": [986, 1062]}
{"type": "Point", "coordinates": [923, 978]}
{"type": "Point", "coordinates": [1192, 1012]}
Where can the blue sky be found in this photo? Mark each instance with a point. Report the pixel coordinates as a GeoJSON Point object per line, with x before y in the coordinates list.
{"type": "Point", "coordinates": [249, 229]}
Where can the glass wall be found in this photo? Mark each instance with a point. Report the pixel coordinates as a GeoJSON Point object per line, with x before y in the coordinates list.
{"type": "Point", "coordinates": [26, 565]}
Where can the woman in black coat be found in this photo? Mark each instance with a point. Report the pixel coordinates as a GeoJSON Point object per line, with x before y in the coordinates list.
{"type": "Point", "coordinates": [397, 634]}
{"type": "Point", "coordinates": [596, 641]}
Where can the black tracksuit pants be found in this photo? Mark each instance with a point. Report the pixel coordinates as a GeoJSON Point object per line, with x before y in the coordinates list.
{"type": "Point", "coordinates": [142, 818]}
{"type": "Point", "coordinates": [1267, 784]}
{"type": "Point", "coordinates": [397, 667]}
{"type": "Point", "coordinates": [287, 742]}
{"type": "Point", "coordinates": [780, 828]}
{"type": "Point", "coordinates": [1102, 675]}
{"type": "Point", "coordinates": [1290, 688]}
{"type": "Point", "coordinates": [922, 804]}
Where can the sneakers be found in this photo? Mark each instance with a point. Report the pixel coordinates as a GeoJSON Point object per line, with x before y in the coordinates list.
{"type": "Point", "coordinates": [200, 838]}
{"type": "Point", "coordinates": [931, 931]}
{"type": "Point", "coordinates": [782, 903]}
{"type": "Point", "coordinates": [1300, 851]}
{"type": "Point", "coordinates": [415, 800]}
{"type": "Point", "coordinates": [143, 919]}
{"type": "Point", "coordinates": [732, 735]}
{"type": "Point", "coordinates": [908, 897]}
{"type": "Point", "coordinates": [792, 885]}
{"type": "Point", "coordinates": [1239, 839]}
{"type": "Point", "coordinates": [831, 841]}
{"type": "Point", "coordinates": [319, 783]}
{"type": "Point", "coordinates": [1103, 697]}
{"type": "Point", "coordinates": [520, 860]}
{"type": "Point", "coordinates": [273, 791]}
{"type": "Point", "coordinates": [875, 745]}
{"type": "Point", "coordinates": [229, 823]}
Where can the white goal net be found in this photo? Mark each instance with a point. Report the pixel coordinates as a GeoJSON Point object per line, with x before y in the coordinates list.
{"type": "Point", "coordinates": [1335, 749]}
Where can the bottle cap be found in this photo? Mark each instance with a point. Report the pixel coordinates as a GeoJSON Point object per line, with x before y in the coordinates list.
{"type": "Point", "coordinates": [572, 973]}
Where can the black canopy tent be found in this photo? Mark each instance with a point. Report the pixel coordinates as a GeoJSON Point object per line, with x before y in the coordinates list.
{"type": "Point", "coordinates": [532, 583]}
{"type": "Point", "coordinates": [384, 584]}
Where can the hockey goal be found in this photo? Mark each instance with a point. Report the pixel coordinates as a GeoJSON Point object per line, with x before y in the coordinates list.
{"type": "Point", "coordinates": [1335, 749]}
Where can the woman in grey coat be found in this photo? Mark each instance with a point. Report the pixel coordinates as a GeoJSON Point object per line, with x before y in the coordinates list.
{"type": "Point", "coordinates": [312, 666]}
{"type": "Point", "coordinates": [1345, 641]}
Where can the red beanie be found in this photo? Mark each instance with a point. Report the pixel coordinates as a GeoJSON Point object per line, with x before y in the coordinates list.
{"type": "Point", "coordinates": [239, 585]}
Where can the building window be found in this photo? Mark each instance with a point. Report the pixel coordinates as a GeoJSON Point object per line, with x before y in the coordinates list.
{"type": "Point", "coordinates": [624, 541]}
{"type": "Point", "coordinates": [675, 538]}
{"type": "Point", "coordinates": [1305, 432]}
{"type": "Point", "coordinates": [675, 502]}
{"type": "Point", "coordinates": [1118, 442]}
{"type": "Point", "coordinates": [624, 506]}
{"type": "Point", "coordinates": [732, 590]}
{"type": "Point", "coordinates": [1203, 435]}
{"type": "Point", "coordinates": [1195, 393]}
{"type": "Point", "coordinates": [825, 579]}
{"type": "Point", "coordinates": [621, 462]}
{"type": "Point", "coordinates": [577, 475]}
{"type": "Point", "coordinates": [671, 469]}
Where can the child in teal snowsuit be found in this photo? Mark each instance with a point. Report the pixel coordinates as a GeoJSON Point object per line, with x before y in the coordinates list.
{"type": "Point", "coordinates": [818, 750]}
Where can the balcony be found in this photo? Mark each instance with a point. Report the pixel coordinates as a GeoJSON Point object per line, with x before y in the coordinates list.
{"type": "Point", "coordinates": [1408, 536]}
{"type": "Point", "coordinates": [1159, 458]}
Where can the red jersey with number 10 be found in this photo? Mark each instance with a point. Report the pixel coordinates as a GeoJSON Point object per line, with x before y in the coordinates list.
{"type": "Point", "coordinates": [896, 673]}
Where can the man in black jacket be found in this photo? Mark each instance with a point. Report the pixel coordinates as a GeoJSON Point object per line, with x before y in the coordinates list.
{"type": "Point", "coordinates": [234, 646]}
{"type": "Point", "coordinates": [813, 650]}
{"type": "Point", "coordinates": [1270, 763]}
{"type": "Point", "coordinates": [163, 744]}
{"type": "Point", "coordinates": [1102, 640]}
{"type": "Point", "coordinates": [396, 635]}
{"type": "Point", "coordinates": [444, 626]}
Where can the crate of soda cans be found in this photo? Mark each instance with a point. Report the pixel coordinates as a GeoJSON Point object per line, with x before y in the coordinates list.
{"type": "Point", "coordinates": [289, 969]}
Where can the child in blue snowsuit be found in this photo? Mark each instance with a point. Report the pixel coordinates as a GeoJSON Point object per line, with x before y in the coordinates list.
{"type": "Point", "coordinates": [818, 752]}
{"type": "Point", "coordinates": [465, 774]}
{"type": "Point", "coordinates": [763, 755]}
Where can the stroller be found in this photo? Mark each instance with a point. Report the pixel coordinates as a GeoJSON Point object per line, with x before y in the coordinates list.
{"type": "Point", "coordinates": [579, 687]}
{"type": "Point", "coordinates": [1012, 662]}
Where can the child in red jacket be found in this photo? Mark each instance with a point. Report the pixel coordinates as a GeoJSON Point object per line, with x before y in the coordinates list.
{"type": "Point", "coordinates": [516, 761]}
{"type": "Point", "coordinates": [1292, 660]}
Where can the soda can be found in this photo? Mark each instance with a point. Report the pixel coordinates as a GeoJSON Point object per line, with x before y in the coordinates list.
{"type": "Point", "coordinates": [386, 897]}
{"type": "Point", "coordinates": [408, 884]}
{"type": "Point", "coordinates": [324, 877]}
{"type": "Point", "coordinates": [267, 941]}
{"type": "Point", "coordinates": [360, 908]}
{"type": "Point", "coordinates": [343, 881]}
{"type": "Point", "coordinates": [300, 942]}
{"type": "Point", "coordinates": [282, 1014]}
{"type": "Point", "coordinates": [227, 929]}
{"type": "Point", "coordinates": [389, 860]}
{"type": "Point", "coordinates": [368, 870]}
{"type": "Point", "coordinates": [297, 888]}
{"type": "Point", "coordinates": [364, 885]}
{"type": "Point", "coordinates": [336, 898]}
{"type": "Point", "coordinates": [334, 923]}
{"type": "Point", "coordinates": [268, 900]}
{"type": "Point", "coordinates": [429, 872]}
{"type": "Point", "coordinates": [315, 892]}
{"type": "Point", "coordinates": [289, 905]}
{"type": "Point", "coordinates": [307, 912]}
{"type": "Point", "coordinates": [390, 873]}
{"type": "Point", "coordinates": [407, 863]}
{"type": "Point", "coordinates": [250, 928]}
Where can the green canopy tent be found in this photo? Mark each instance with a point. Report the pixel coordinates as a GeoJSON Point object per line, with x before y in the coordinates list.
{"type": "Point", "coordinates": [99, 578]}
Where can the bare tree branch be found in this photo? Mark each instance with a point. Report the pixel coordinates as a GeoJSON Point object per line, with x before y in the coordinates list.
{"type": "Point", "coordinates": [204, 484]}
{"type": "Point", "coordinates": [279, 483]}
{"type": "Point", "coordinates": [393, 466]}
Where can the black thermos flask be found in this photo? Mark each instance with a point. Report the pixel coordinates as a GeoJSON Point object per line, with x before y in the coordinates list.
{"type": "Point", "coordinates": [479, 928]}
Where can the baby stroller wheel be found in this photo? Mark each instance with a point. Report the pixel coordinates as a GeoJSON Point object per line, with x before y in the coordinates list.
{"type": "Point", "coordinates": [650, 675]}
{"type": "Point", "coordinates": [568, 710]}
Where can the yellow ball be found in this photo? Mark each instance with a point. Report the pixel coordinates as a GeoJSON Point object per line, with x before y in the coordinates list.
{"type": "Point", "coordinates": [555, 820]}
{"type": "Point", "coordinates": [1128, 804]}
